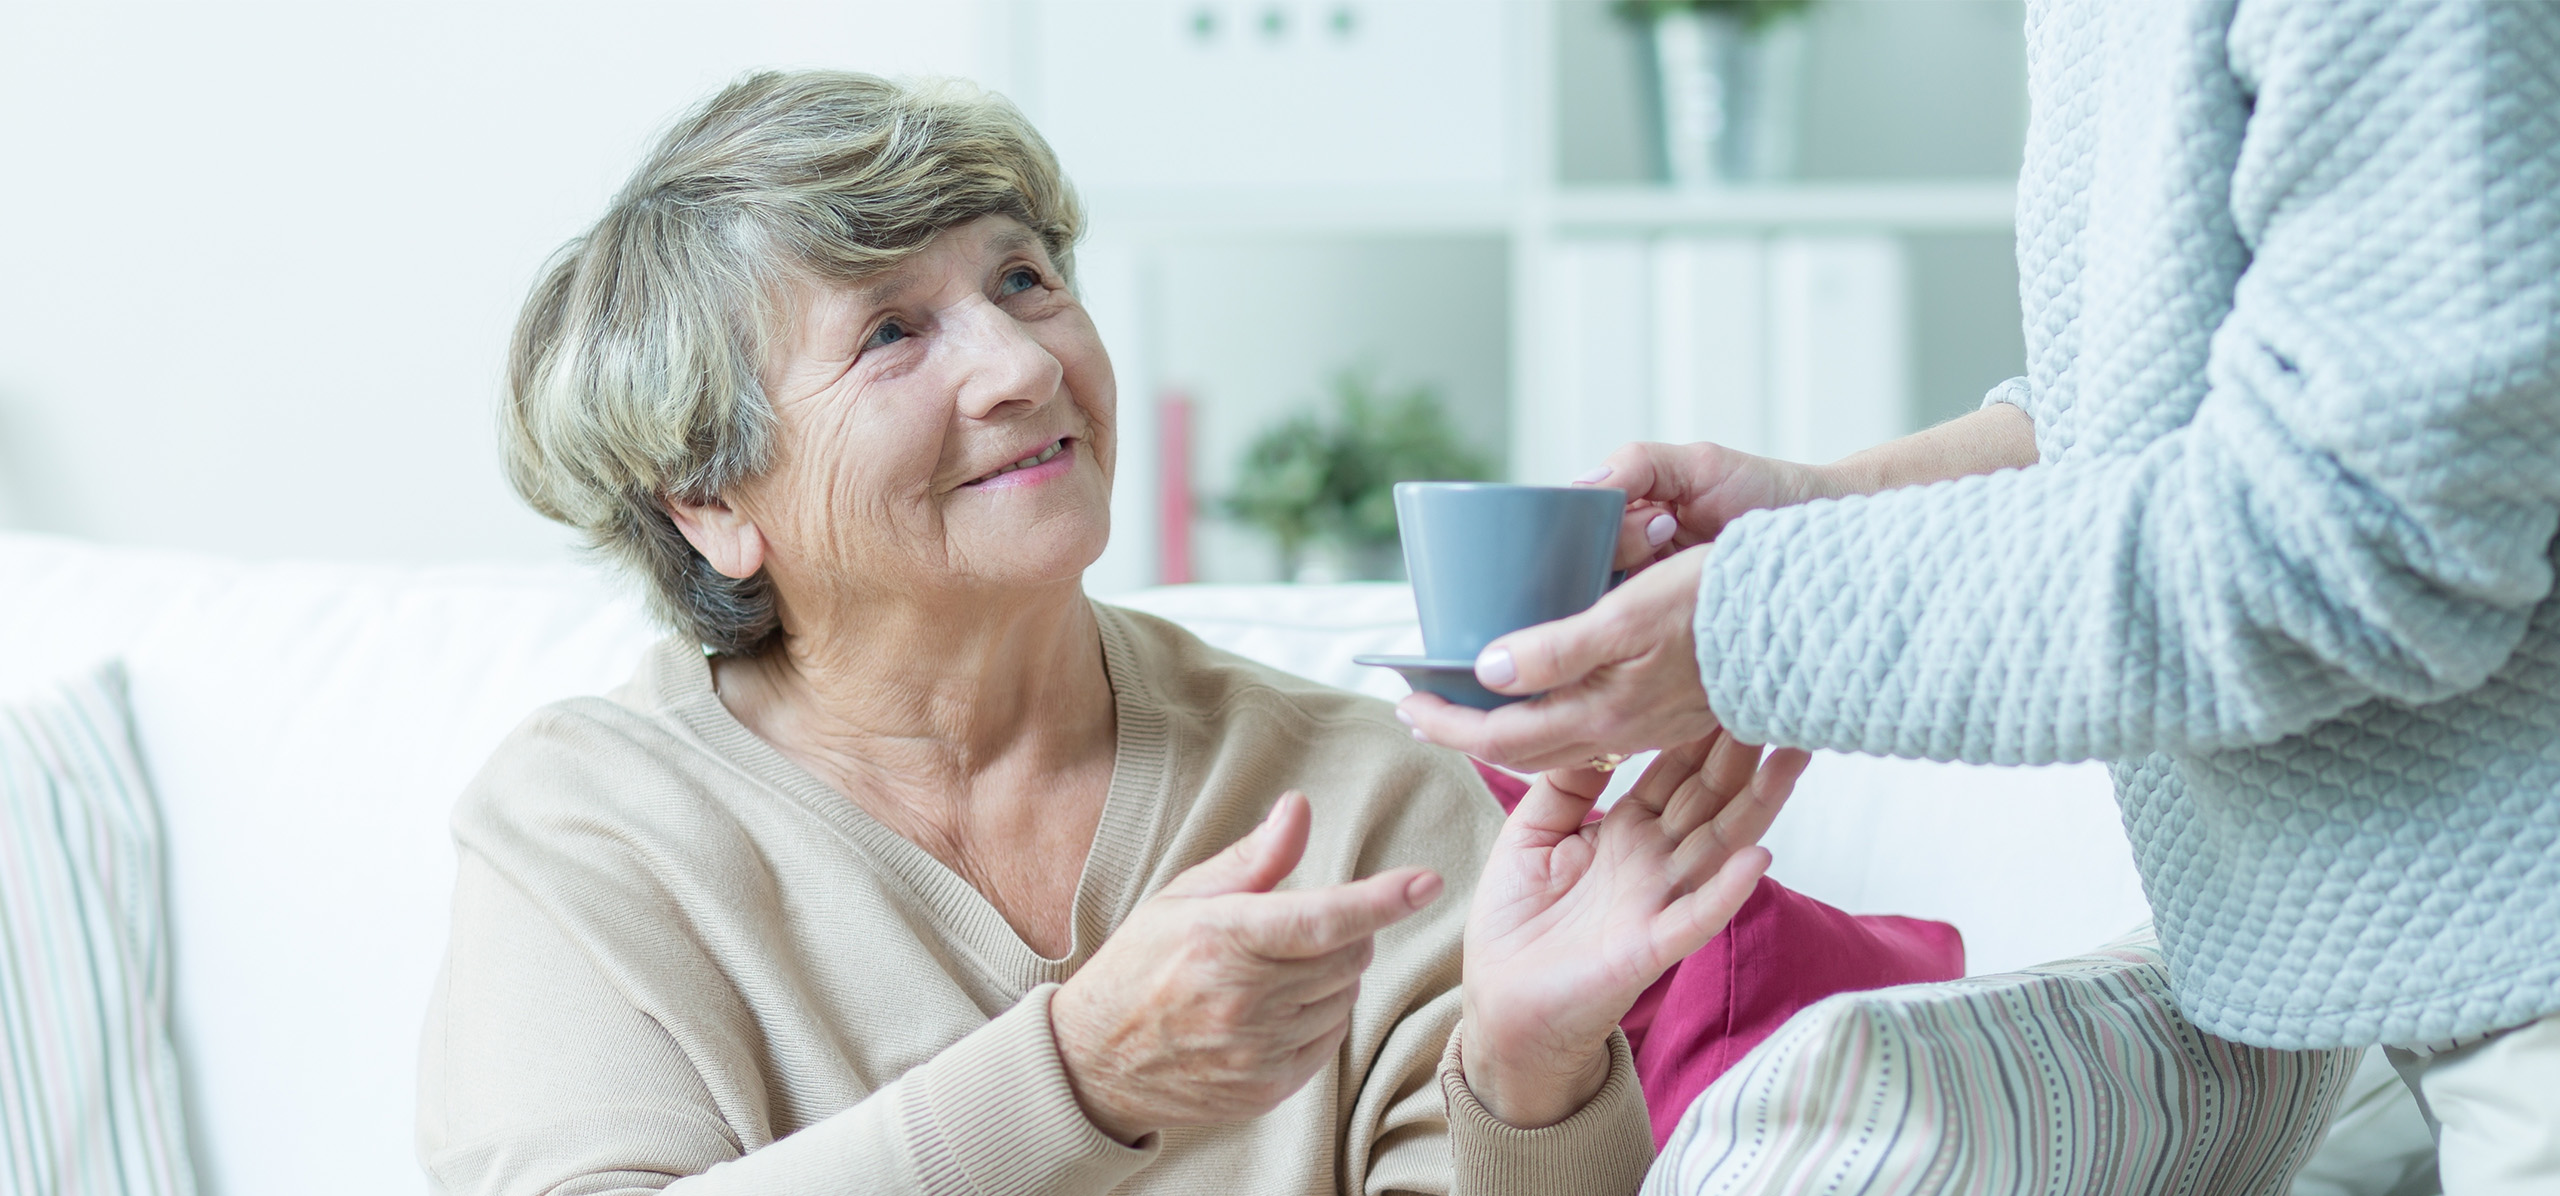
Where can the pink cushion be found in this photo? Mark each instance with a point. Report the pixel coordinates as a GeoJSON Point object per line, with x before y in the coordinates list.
{"type": "Point", "coordinates": [1782, 952]}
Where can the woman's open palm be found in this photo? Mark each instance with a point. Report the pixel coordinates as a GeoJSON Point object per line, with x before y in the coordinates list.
{"type": "Point", "coordinates": [1573, 920]}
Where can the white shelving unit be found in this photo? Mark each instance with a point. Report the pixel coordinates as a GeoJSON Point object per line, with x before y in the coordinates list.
{"type": "Point", "coordinates": [1558, 211]}
{"type": "Point", "coordinates": [1965, 205]}
{"type": "Point", "coordinates": [1778, 318]}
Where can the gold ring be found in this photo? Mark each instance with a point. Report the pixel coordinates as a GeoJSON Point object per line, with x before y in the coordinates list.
{"type": "Point", "coordinates": [1606, 761]}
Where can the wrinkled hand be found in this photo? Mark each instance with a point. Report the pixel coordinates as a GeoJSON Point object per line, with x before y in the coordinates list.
{"type": "Point", "coordinates": [1621, 677]}
{"type": "Point", "coordinates": [1571, 923]}
{"type": "Point", "coordinates": [1218, 997]}
{"type": "Point", "coordinates": [1681, 495]}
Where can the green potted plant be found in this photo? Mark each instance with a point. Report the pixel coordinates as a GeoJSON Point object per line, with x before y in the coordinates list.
{"type": "Point", "coordinates": [1726, 77]}
{"type": "Point", "coordinates": [1323, 484]}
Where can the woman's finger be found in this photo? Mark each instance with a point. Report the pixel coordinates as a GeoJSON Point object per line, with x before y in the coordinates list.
{"type": "Point", "coordinates": [1298, 925]}
{"type": "Point", "coordinates": [1308, 980]}
{"type": "Point", "coordinates": [1528, 736]}
{"type": "Point", "coordinates": [1552, 655]}
{"type": "Point", "coordinates": [1645, 530]}
{"type": "Point", "coordinates": [1650, 472]}
{"type": "Point", "coordinates": [1687, 924]}
{"type": "Point", "coordinates": [1650, 611]}
{"type": "Point", "coordinates": [1256, 862]}
{"type": "Point", "coordinates": [1313, 1054]}
{"type": "Point", "coordinates": [1744, 818]}
{"type": "Point", "coordinates": [1314, 1018]}
{"type": "Point", "coordinates": [1665, 779]}
{"type": "Point", "coordinates": [1558, 730]}
{"type": "Point", "coordinates": [1728, 770]}
{"type": "Point", "coordinates": [1559, 799]}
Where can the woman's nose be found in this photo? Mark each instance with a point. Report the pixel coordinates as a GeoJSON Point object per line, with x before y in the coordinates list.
{"type": "Point", "coordinates": [1002, 363]}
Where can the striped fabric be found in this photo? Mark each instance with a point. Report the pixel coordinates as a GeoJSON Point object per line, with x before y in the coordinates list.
{"type": "Point", "coordinates": [88, 1081]}
{"type": "Point", "coordinates": [2076, 1078]}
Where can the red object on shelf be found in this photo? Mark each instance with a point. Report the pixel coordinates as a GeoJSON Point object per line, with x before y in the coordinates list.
{"type": "Point", "coordinates": [1173, 488]}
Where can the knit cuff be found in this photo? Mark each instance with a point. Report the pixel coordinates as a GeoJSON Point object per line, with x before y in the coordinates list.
{"type": "Point", "coordinates": [2013, 392]}
{"type": "Point", "coordinates": [1605, 1147]}
{"type": "Point", "coordinates": [1722, 628]}
{"type": "Point", "coordinates": [993, 1114]}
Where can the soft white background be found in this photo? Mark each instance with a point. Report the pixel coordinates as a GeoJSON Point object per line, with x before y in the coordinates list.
{"type": "Point", "coordinates": [259, 260]}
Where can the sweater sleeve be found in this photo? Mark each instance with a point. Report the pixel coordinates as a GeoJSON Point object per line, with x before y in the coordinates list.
{"type": "Point", "coordinates": [1606, 1146]}
{"type": "Point", "coordinates": [537, 1077]}
{"type": "Point", "coordinates": [2362, 507]}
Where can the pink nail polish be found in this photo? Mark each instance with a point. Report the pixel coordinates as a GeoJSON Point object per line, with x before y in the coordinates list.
{"type": "Point", "coordinates": [1658, 531]}
{"type": "Point", "coordinates": [1402, 717]}
{"type": "Point", "coordinates": [1495, 667]}
{"type": "Point", "coordinates": [1593, 478]}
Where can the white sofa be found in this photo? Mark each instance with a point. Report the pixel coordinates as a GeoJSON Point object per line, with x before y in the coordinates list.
{"type": "Point", "coordinates": [308, 726]}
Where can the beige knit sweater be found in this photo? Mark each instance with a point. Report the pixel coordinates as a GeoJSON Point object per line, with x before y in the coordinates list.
{"type": "Point", "coordinates": [681, 963]}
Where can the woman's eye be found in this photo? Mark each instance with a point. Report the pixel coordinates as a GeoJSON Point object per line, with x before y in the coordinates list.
{"type": "Point", "coordinates": [1020, 280]}
{"type": "Point", "coordinates": [889, 333]}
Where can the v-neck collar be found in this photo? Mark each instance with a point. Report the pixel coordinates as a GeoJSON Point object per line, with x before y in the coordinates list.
{"type": "Point", "coordinates": [1125, 839]}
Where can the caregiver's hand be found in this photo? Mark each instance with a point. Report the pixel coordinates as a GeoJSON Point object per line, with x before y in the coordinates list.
{"type": "Point", "coordinates": [1620, 677]}
{"type": "Point", "coordinates": [1572, 922]}
{"type": "Point", "coordinates": [1218, 997]}
{"type": "Point", "coordinates": [1681, 495]}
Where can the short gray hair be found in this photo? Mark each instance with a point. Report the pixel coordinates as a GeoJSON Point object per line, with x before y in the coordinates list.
{"type": "Point", "coordinates": [634, 372]}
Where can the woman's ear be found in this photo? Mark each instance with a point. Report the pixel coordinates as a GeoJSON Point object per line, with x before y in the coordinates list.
{"type": "Point", "coordinates": [721, 533]}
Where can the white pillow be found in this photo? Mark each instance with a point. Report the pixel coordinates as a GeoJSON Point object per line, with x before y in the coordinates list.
{"type": "Point", "coordinates": [90, 1103]}
{"type": "Point", "coordinates": [2074, 1077]}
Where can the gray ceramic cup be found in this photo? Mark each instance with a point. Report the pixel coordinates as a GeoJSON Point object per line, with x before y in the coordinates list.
{"type": "Point", "coordinates": [1488, 559]}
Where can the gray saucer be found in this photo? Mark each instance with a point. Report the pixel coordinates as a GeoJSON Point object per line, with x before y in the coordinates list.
{"type": "Point", "coordinates": [1451, 679]}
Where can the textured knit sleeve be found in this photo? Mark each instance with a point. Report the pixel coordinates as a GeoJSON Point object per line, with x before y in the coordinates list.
{"type": "Point", "coordinates": [2362, 506]}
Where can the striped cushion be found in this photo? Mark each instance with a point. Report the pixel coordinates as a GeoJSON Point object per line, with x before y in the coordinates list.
{"type": "Point", "coordinates": [2076, 1077]}
{"type": "Point", "coordinates": [88, 1082]}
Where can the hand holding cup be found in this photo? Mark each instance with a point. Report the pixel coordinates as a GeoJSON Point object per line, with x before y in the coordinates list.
{"type": "Point", "coordinates": [1619, 678]}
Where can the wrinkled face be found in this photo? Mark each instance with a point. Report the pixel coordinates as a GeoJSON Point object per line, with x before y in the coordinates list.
{"type": "Point", "coordinates": [945, 426]}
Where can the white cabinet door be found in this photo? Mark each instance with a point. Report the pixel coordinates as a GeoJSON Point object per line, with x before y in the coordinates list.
{"type": "Point", "coordinates": [1591, 341]}
{"type": "Point", "coordinates": [1840, 376]}
{"type": "Point", "coordinates": [1153, 96]}
{"type": "Point", "coordinates": [1793, 346]}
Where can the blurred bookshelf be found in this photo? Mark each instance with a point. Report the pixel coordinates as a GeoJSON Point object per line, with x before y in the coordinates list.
{"type": "Point", "coordinates": [1965, 205]}
{"type": "Point", "coordinates": [1961, 205]}
{"type": "Point", "coordinates": [1472, 195]}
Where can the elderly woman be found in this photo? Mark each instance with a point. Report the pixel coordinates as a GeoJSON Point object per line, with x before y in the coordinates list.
{"type": "Point", "coordinates": [904, 866]}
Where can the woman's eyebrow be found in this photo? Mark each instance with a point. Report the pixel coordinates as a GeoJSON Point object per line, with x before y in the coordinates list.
{"type": "Point", "coordinates": [1012, 240]}
{"type": "Point", "coordinates": [887, 290]}
{"type": "Point", "coordinates": [883, 292]}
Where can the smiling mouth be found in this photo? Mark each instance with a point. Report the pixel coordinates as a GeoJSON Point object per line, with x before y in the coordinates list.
{"type": "Point", "coordinates": [1043, 457]}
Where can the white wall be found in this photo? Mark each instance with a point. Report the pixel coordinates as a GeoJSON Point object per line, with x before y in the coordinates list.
{"type": "Point", "coordinates": [258, 261]}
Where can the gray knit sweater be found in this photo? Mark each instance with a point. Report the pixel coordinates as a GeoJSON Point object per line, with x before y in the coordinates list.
{"type": "Point", "coordinates": [2291, 274]}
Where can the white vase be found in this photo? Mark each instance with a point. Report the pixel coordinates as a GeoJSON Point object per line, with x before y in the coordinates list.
{"type": "Point", "coordinates": [1728, 97]}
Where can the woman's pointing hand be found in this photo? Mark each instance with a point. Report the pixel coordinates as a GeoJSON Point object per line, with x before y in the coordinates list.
{"type": "Point", "coordinates": [1219, 997]}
